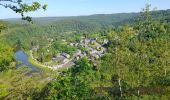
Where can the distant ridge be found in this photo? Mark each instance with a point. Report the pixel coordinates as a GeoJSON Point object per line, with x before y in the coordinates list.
{"type": "Point", "coordinates": [102, 19]}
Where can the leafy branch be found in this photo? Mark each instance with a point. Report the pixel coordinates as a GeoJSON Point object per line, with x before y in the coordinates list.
{"type": "Point", "coordinates": [21, 7]}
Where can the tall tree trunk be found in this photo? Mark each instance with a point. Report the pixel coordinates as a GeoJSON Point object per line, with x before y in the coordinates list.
{"type": "Point", "coordinates": [120, 87]}
{"type": "Point", "coordinates": [138, 89]}
{"type": "Point", "coordinates": [165, 69]}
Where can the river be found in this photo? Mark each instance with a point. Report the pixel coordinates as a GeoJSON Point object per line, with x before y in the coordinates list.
{"type": "Point", "coordinates": [23, 58]}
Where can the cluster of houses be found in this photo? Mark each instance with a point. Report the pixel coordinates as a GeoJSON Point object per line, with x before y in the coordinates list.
{"type": "Point", "coordinates": [93, 50]}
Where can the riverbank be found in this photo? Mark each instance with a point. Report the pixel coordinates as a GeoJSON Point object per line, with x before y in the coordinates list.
{"type": "Point", "coordinates": [60, 67]}
{"type": "Point", "coordinates": [44, 68]}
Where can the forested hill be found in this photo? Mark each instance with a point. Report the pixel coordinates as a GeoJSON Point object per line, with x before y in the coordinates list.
{"type": "Point", "coordinates": [88, 24]}
{"type": "Point", "coordinates": [102, 19]}
{"type": "Point", "coordinates": [96, 18]}
{"type": "Point", "coordinates": [52, 26]}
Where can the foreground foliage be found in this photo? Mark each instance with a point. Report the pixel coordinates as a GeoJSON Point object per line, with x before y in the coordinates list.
{"type": "Point", "coordinates": [18, 84]}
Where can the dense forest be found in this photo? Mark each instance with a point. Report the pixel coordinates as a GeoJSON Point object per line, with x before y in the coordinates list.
{"type": "Point", "coordinates": [136, 64]}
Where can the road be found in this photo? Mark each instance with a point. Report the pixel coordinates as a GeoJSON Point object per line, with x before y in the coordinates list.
{"type": "Point", "coordinates": [68, 63]}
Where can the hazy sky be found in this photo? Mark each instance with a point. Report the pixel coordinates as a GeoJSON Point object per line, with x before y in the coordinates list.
{"type": "Point", "coordinates": [88, 7]}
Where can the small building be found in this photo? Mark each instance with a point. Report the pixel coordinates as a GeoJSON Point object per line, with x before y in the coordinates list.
{"type": "Point", "coordinates": [60, 59]}
{"type": "Point", "coordinates": [92, 51]}
{"type": "Point", "coordinates": [76, 44]}
{"type": "Point", "coordinates": [95, 56]}
{"type": "Point", "coordinates": [35, 48]}
{"type": "Point", "coordinates": [65, 55]}
{"type": "Point", "coordinates": [105, 41]}
{"type": "Point", "coordinates": [78, 52]}
{"type": "Point", "coordinates": [98, 48]}
{"type": "Point", "coordinates": [87, 41]}
{"type": "Point", "coordinates": [100, 54]}
{"type": "Point", "coordinates": [79, 56]}
{"type": "Point", "coordinates": [71, 44]}
{"type": "Point", "coordinates": [93, 41]}
{"type": "Point", "coordinates": [81, 41]}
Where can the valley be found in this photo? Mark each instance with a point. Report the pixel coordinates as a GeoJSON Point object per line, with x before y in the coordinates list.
{"type": "Point", "coordinates": [123, 56]}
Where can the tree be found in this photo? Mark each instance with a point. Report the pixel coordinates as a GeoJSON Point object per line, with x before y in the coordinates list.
{"type": "Point", "coordinates": [3, 25]}
{"type": "Point", "coordinates": [6, 56]}
{"type": "Point", "coordinates": [21, 7]}
{"type": "Point", "coordinates": [152, 52]}
{"type": "Point", "coordinates": [74, 83]}
{"type": "Point", "coordinates": [18, 85]}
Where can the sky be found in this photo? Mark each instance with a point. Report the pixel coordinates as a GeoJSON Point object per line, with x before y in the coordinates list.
{"type": "Point", "coordinates": [87, 7]}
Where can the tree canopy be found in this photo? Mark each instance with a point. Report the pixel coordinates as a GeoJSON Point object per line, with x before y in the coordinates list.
{"type": "Point", "coordinates": [3, 25]}
{"type": "Point", "coordinates": [21, 7]}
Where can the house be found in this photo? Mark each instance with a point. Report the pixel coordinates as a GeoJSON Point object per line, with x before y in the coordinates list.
{"type": "Point", "coordinates": [100, 54]}
{"type": "Point", "coordinates": [76, 44]}
{"type": "Point", "coordinates": [105, 41]}
{"type": "Point", "coordinates": [92, 51]}
{"type": "Point", "coordinates": [60, 59]}
{"type": "Point", "coordinates": [95, 56]}
{"type": "Point", "coordinates": [78, 52]}
{"type": "Point", "coordinates": [79, 56]}
{"type": "Point", "coordinates": [35, 48]}
{"type": "Point", "coordinates": [65, 55]}
{"type": "Point", "coordinates": [81, 41]}
{"type": "Point", "coordinates": [92, 41]}
{"type": "Point", "coordinates": [71, 44]}
{"type": "Point", "coordinates": [87, 41]}
{"type": "Point", "coordinates": [98, 48]}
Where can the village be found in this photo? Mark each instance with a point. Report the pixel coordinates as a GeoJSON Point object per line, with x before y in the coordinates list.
{"type": "Point", "coordinates": [93, 50]}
